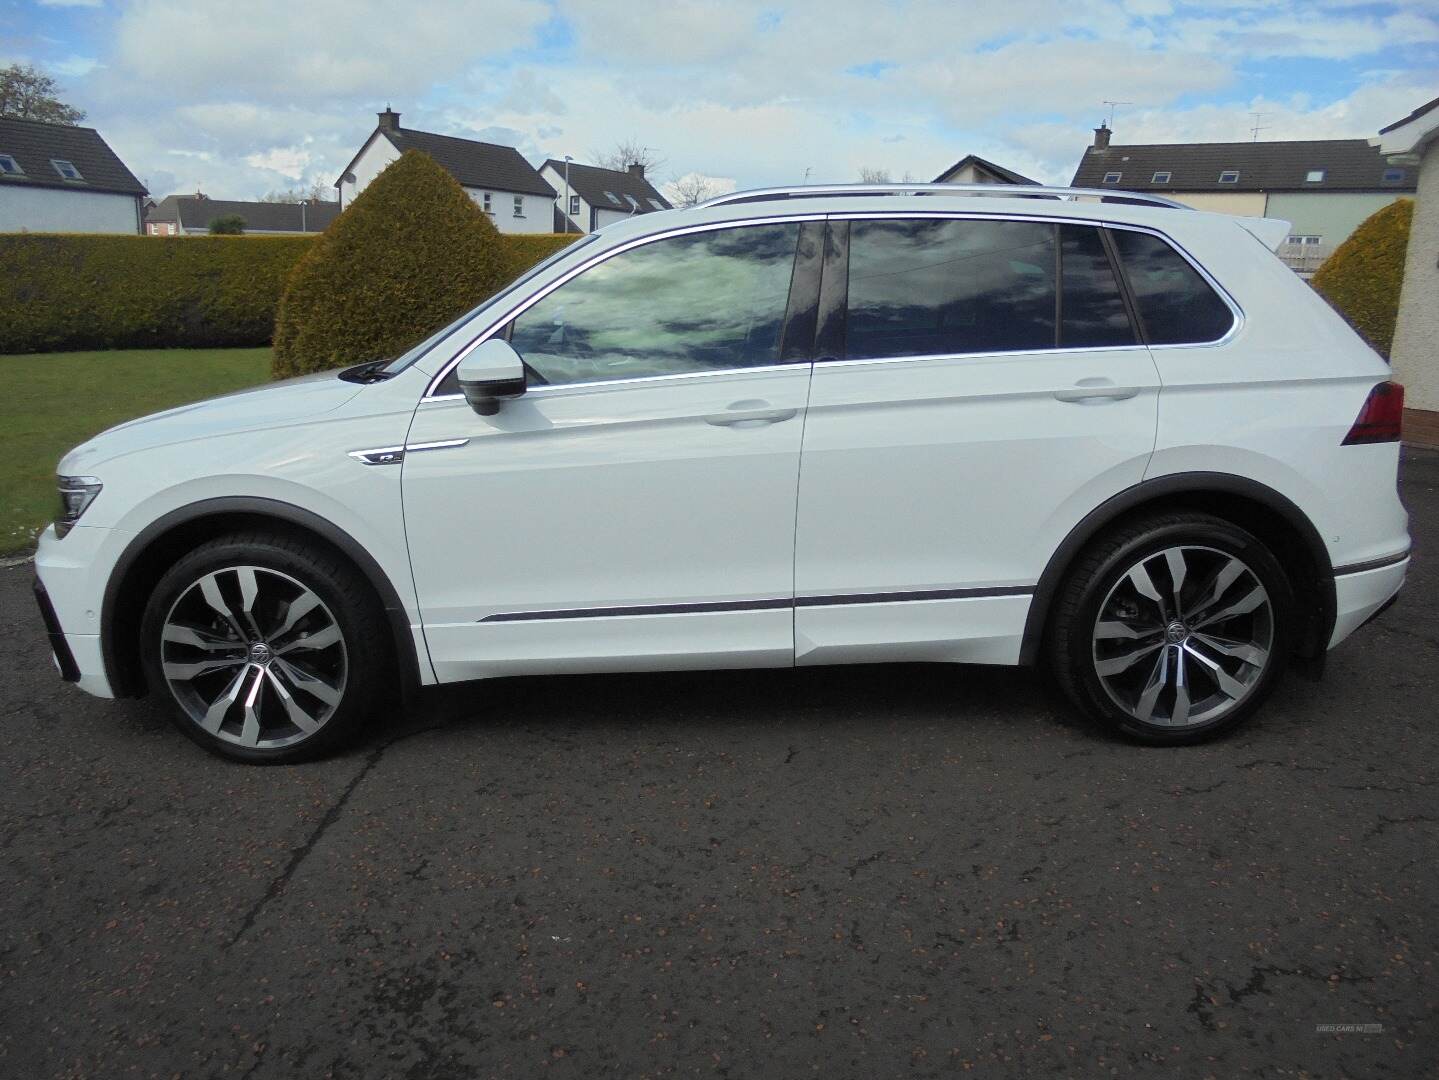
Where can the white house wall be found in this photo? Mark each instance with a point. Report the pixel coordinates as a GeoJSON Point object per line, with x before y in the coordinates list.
{"type": "Point", "coordinates": [556, 179]}
{"type": "Point", "coordinates": [371, 162]}
{"type": "Point", "coordinates": [40, 209]}
{"type": "Point", "coordinates": [538, 211]}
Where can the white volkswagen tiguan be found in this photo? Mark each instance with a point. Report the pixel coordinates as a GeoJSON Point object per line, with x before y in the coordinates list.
{"type": "Point", "coordinates": [793, 427]}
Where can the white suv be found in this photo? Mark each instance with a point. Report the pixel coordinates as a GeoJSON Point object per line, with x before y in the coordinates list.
{"type": "Point", "coordinates": [810, 426]}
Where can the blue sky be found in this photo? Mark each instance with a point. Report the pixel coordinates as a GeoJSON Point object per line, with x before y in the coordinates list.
{"type": "Point", "coordinates": [240, 97]}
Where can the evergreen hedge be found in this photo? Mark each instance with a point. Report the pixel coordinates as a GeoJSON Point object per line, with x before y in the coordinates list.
{"type": "Point", "coordinates": [409, 255]}
{"type": "Point", "coordinates": [1361, 279]}
{"type": "Point", "coordinates": [68, 292]}
{"type": "Point", "coordinates": [60, 293]}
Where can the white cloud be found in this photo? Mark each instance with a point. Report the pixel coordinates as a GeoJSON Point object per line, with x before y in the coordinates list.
{"type": "Point", "coordinates": [74, 67]}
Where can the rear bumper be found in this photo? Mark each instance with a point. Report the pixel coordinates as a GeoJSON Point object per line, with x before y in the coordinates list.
{"type": "Point", "coordinates": [1361, 594]}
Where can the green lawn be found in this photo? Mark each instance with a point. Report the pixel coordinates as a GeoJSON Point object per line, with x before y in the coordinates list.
{"type": "Point", "coordinates": [50, 402]}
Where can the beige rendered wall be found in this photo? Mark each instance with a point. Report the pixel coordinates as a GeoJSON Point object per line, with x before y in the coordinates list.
{"type": "Point", "coordinates": [1243, 203]}
{"type": "Point", "coordinates": [1415, 354]}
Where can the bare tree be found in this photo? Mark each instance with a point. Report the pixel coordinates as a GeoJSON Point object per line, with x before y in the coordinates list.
{"type": "Point", "coordinates": [868, 175]}
{"type": "Point", "coordinates": [627, 153]}
{"type": "Point", "coordinates": [692, 189]}
{"type": "Point", "coordinates": [315, 191]}
{"type": "Point", "coordinates": [27, 93]}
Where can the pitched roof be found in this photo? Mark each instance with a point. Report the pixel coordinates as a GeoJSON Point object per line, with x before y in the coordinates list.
{"type": "Point", "coordinates": [1003, 175]}
{"type": "Point", "coordinates": [1428, 106]}
{"type": "Point", "coordinates": [595, 185]}
{"type": "Point", "coordinates": [195, 213]}
{"type": "Point", "coordinates": [1348, 165]}
{"type": "Point", "coordinates": [34, 145]}
{"type": "Point", "coordinates": [475, 164]}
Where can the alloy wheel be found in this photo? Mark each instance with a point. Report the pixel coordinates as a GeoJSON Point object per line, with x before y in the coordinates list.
{"type": "Point", "coordinates": [1184, 636]}
{"type": "Point", "coordinates": [254, 657]}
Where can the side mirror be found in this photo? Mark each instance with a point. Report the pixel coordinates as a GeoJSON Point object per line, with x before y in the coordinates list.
{"type": "Point", "coordinates": [491, 373]}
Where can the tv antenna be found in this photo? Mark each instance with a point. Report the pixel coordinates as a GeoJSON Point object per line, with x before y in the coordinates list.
{"type": "Point", "coordinates": [1112, 106]}
{"type": "Point", "coordinates": [1258, 126]}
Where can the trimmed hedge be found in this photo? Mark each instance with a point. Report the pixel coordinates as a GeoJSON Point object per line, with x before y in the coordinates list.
{"type": "Point", "coordinates": [409, 255]}
{"type": "Point", "coordinates": [1361, 279]}
{"type": "Point", "coordinates": [61, 293]}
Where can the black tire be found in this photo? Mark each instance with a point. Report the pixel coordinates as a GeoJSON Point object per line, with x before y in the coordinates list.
{"type": "Point", "coordinates": [1073, 644]}
{"type": "Point", "coordinates": [356, 674]}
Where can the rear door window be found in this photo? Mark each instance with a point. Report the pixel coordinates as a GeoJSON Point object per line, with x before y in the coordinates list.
{"type": "Point", "coordinates": [1092, 311]}
{"type": "Point", "coordinates": [1176, 305]}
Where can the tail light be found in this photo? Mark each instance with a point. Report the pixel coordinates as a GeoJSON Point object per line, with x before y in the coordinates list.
{"type": "Point", "coordinates": [1381, 417]}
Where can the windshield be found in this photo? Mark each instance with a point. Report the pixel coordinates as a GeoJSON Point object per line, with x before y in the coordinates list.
{"type": "Point", "coordinates": [407, 358]}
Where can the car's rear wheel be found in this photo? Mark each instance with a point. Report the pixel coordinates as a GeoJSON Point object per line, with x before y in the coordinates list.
{"type": "Point", "coordinates": [270, 651]}
{"type": "Point", "coordinates": [1172, 629]}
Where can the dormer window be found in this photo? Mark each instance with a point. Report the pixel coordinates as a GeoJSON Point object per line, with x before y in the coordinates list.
{"type": "Point", "coordinates": [65, 169]}
{"type": "Point", "coordinates": [1314, 176]}
{"type": "Point", "coordinates": [1111, 178]}
{"type": "Point", "coordinates": [1393, 175]}
{"type": "Point", "coordinates": [1229, 176]}
{"type": "Point", "coordinates": [9, 166]}
{"type": "Point", "coordinates": [1160, 178]}
{"type": "Point", "coordinates": [613, 198]}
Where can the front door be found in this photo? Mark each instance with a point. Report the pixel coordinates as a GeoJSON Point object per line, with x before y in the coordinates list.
{"type": "Point", "coordinates": [634, 509]}
{"type": "Point", "coordinates": [978, 389]}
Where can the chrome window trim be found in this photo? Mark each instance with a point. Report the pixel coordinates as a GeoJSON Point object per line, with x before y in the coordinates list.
{"type": "Point", "coordinates": [561, 389]}
{"type": "Point", "coordinates": [1234, 309]}
{"type": "Point", "coordinates": [521, 306]}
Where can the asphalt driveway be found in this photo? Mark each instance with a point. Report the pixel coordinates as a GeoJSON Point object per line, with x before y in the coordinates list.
{"type": "Point", "coordinates": [847, 872]}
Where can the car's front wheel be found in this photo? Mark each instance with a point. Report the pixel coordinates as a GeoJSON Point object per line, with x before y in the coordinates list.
{"type": "Point", "coordinates": [1172, 629]}
{"type": "Point", "coordinates": [271, 651]}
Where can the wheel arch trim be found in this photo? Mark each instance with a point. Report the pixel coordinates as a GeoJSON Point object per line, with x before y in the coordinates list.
{"type": "Point", "coordinates": [126, 684]}
{"type": "Point", "coordinates": [1167, 487]}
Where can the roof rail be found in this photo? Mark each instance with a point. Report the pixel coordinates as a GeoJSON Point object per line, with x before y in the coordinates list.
{"type": "Point", "coordinates": [1022, 191]}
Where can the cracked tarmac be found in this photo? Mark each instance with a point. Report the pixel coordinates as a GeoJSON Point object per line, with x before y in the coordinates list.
{"type": "Point", "coordinates": [841, 872]}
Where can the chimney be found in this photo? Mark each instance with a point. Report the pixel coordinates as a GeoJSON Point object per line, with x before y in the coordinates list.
{"type": "Point", "coordinates": [1101, 136]}
{"type": "Point", "coordinates": [389, 119]}
{"type": "Point", "coordinates": [635, 169]}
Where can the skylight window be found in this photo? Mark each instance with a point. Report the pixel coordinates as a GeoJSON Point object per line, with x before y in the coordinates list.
{"type": "Point", "coordinates": [1229, 176]}
{"type": "Point", "coordinates": [1391, 175]}
{"type": "Point", "coordinates": [656, 204]}
{"type": "Point", "coordinates": [613, 198]}
{"type": "Point", "coordinates": [1111, 177]}
{"type": "Point", "coordinates": [1314, 176]}
{"type": "Point", "coordinates": [65, 169]}
{"type": "Point", "coordinates": [9, 166]}
{"type": "Point", "coordinates": [1161, 177]}
{"type": "Point", "coordinates": [631, 200]}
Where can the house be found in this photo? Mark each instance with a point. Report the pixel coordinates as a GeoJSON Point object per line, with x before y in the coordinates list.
{"type": "Point", "coordinates": [498, 178]}
{"type": "Point", "coordinates": [190, 215]}
{"type": "Point", "coordinates": [973, 169]}
{"type": "Point", "coordinates": [56, 178]}
{"type": "Point", "coordinates": [591, 197]}
{"type": "Point", "coordinates": [1412, 144]}
{"type": "Point", "coordinates": [1323, 188]}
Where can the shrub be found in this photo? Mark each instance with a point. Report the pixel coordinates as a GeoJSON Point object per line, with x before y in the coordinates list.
{"type": "Point", "coordinates": [227, 225]}
{"type": "Point", "coordinates": [135, 292]}
{"type": "Point", "coordinates": [409, 255]}
{"type": "Point", "coordinates": [1361, 279]}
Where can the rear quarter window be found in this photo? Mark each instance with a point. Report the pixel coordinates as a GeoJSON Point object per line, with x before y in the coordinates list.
{"type": "Point", "coordinates": [1176, 305]}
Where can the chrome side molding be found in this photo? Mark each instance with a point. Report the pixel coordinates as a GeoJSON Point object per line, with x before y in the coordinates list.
{"type": "Point", "coordinates": [393, 455]}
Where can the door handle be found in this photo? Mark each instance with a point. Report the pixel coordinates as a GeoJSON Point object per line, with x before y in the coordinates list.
{"type": "Point", "coordinates": [1096, 390]}
{"type": "Point", "coordinates": [747, 414]}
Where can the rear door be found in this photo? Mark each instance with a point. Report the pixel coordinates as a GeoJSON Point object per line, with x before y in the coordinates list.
{"type": "Point", "coordinates": [978, 388]}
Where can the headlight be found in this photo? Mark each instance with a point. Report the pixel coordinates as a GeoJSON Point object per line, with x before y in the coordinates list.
{"type": "Point", "coordinates": [76, 495]}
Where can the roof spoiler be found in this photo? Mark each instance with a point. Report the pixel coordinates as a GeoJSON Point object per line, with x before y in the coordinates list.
{"type": "Point", "coordinates": [1271, 232]}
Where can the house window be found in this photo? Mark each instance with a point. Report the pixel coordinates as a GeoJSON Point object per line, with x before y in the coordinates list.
{"type": "Point", "coordinates": [1160, 178]}
{"type": "Point", "coordinates": [65, 169]}
{"type": "Point", "coordinates": [631, 200]}
{"type": "Point", "coordinates": [1314, 176]}
{"type": "Point", "coordinates": [613, 198]}
{"type": "Point", "coordinates": [519, 206]}
{"type": "Point", "coordinates": [574, 205]}
{"type": "Point", "coordinates": [9, 166]}
{"type": "Point", "coordinates": [1229, 176]}
{"type": "Point", "coordinates": [1391, 175]}
{"type": "Point", "coordinates": [485, 204]}
{"type": "Point", "coordinates": [1304, 238]}
{"type": "Point", "coordinates": [1112, 177]}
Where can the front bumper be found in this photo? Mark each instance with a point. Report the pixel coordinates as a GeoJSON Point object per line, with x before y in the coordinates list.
{"type": "Point", "coordinates": [70, 586]}
{"type": "Point", "coordinates": [59, 647]}
{"type": "Point", "coordinates": [1360, 596]}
